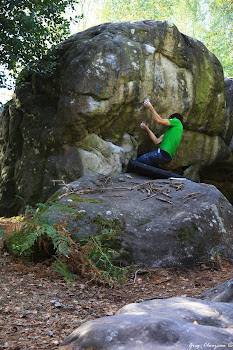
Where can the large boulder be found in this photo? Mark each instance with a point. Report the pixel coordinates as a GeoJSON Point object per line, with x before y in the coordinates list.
{"type": "Point", "coordinates": [228, 82]}
{"type": "Point", "coordinates": [172, 222]}
{"type": "Point", "coordinates": [84, 115]}
{"type": "Point", "coordinates": [175, 323]}
{"type": "Point", "coordinates": [220, 173]}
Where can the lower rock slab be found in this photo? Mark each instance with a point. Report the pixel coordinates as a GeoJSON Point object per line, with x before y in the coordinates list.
{"type": "Point", "coordinates": [174, 323]}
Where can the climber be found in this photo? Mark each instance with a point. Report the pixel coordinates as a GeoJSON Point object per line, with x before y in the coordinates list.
{"type": "Point", "coordinates": [169, 141]}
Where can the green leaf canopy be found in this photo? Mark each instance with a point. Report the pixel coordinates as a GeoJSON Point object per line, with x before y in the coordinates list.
{"type": "Point", "coordinates": [28, 28]}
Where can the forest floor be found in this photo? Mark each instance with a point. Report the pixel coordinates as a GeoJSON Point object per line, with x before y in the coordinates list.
{"type": "Point", "coordinates": [39, 309]}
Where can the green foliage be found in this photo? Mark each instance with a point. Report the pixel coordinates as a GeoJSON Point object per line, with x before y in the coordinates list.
{"type": "Point", "coordinates": [105, 249]}
{"type": "Point", "coordinates": [44, 232]}
{"type": "Point", "coordinates": [218, 36]}
{"type": "Point", "coordinates": [186, 235]}
{"type": "Point", "coordinates": [118, 11]}
{"type": "Point", "coordinates": [107, 226]}
{"type": "Point", "coordinates": [29, 28]}
{"type": "Point", "coordinates": [2, 233]}
{"type": "Point", "coordinates": [195, 226]}
{"type": "Point", "coordinates": [57, 206]}
{"type": "Point", "coordinates": [63, 270]}
{"type": "Point", "coordinates": [44, 66]}
{"type": "Point", "coordinates": [108, 238]}
{"type": "Point", "coordinates": [38, 237]}
{"type": "Point", "coordinates": [210, 21]}
{"type": "Point", "coordinates": [104, 258]}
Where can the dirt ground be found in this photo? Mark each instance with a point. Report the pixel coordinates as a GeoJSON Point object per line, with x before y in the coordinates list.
{"type": "Point", "coordinates": [39, 309]}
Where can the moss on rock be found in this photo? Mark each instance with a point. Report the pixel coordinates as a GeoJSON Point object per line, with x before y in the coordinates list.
{"type": "Point", "coordinates": [186, 235]}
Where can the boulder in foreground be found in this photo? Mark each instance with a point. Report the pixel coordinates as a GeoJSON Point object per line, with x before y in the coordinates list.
{"type": "Point", "coordinates": [173, 222]}
{"type": "Point", "coordinates": [175, 323]}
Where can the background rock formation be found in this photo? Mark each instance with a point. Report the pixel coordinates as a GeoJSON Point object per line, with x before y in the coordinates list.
{"type": "Point", "coordinates": [220, 173]}
{"type": "Point", "coordinates": [85, 116]}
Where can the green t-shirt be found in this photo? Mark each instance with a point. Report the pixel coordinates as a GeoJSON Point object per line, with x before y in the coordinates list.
{"type": "Point", "coordinates": [172, 137]}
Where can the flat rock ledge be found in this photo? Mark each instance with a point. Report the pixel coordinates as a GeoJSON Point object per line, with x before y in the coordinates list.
{"type": "Point", "coordinates": [172, 222]}
{"type": "Point", "coordinates": [174, 323]}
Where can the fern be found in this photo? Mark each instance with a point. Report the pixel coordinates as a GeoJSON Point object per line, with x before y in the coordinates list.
{"type": "Point", "coordinates": [2, 233]}
{"type": "Point", "coordinates": [55, 233]}
{"type": "Point", "coordinates": [29, 243]}
{"type": "Point", "coordinates": [102, 259]}
{"type": "Point", "coordinates": [38, 235]}
{"type": "Point", "coordinates": [63, 270]}
{"type": "Point", "coordinates": [92, 257]}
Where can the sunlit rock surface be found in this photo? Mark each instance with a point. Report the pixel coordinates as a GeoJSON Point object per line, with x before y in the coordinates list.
{"type": "Point", "coordinates": [175, 323]}
{"type": "Point", "coordinates": [83, 116]}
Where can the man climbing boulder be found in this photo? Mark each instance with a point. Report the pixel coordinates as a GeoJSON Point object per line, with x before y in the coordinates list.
{"type": "Point", "coordinates": [169, 141]}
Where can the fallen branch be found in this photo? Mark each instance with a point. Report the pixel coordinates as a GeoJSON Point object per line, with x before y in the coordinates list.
{"type": "Point", "coordinates": [140, 271]}
{"type": "Point", "coordinates": [167, 195]}
{"type": "Point", "coordinates": [153, 195]}
{"type": "Point", "coordinates": [93, 190]}
{"type": "Point", "coordinates": [165, 200]}
{"type": "Point", "coordinates": [177, 185]}
{"type": "Point", "coordinates": [23, 325]}
{"type": "Point", "coordinates": [192, 196]}
{"type": "Point", "coordinates": [62, 183]}
{"type": "Point", "coordinates": [113, 195]}
{"type": "Point", "coordinates": [99, 189]}
{"type": "Point", "coordinates": [163, 281]}
{"type": "Point", "coordinates": [159, 297]}
{"type": "Point", "coordinates": [135, 277]}
{"type": "Point", "coordinates": [144, 183]}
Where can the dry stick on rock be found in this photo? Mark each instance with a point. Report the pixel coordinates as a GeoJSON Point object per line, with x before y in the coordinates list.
{"type": "Point", "coordinates": [153, 195]}
{"type": "Point", "coordinates": [101, 189]}
{"type": "Point", "coordinates": [144, 183]}
{"type": "Point", "coordinates": [62, 183]}
{"type": "Point", "coordinates": [113, 195]}
{"type": "Point", "coordinates": [94, 190]}
{"type": "Point", "coordinates": [158, 189]}
{"type": "Point", "coordinates": [192, 196]}
{"type": "Point", "coordinates": [177, 185]}
{"type": "Point", "coordinates": [162, 199]}
{"type": "Point", "coordinates": [165, 200]}
{"type": "Point", "coordinates": [167, 195]}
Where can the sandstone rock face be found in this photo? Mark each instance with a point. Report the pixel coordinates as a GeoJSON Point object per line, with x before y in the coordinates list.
{"type": "Point", "coordinates": [175, 323]}
{"type": "Point", "coordinates": [84, 118]}
{"type": "Point", "coordinates": [228, 82]}
{"type": "Point", "coordinates": [220, 174]}
{"type": "Point", "coordinates": [162, 223]}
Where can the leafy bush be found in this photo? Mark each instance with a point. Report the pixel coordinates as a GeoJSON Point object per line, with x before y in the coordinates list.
{"type": "Point", "coordinates": [104, 259]}
{"type": "Point", "coordinates": [63, 270]}
{"type": "Point", "coordinates": [37, 238]}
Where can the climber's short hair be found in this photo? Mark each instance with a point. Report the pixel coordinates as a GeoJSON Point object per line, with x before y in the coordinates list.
{"type": "Point", "coordinates": [177, 116]}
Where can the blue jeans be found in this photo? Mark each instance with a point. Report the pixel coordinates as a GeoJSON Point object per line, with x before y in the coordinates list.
{"type": "Point", "coordinates": [154, 158]}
